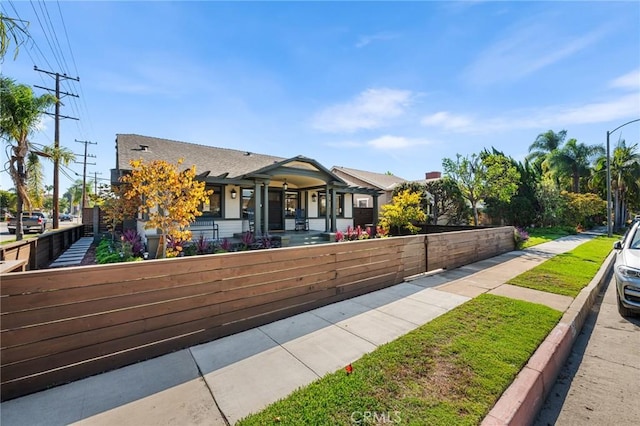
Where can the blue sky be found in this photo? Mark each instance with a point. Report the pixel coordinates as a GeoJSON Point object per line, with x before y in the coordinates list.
{"type": "Point", "coordinates": [378, 86]}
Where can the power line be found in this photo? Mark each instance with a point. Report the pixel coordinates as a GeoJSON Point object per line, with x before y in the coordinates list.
{"type": "Point", "coordinates": [73, 59]}
{"type": "Point", "coordinates": [56, 139]}
{"type": "Point", "coordinates": [84, 172]}
{"type": "Point", "coordinates": [44, 32]}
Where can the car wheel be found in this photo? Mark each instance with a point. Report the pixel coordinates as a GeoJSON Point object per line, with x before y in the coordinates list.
{"type": "Point", "coordinates": [12, 231]}
{"type": "Point", "coordinates": [624, 311]}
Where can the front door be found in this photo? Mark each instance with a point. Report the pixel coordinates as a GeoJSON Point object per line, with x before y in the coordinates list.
{"type": "Point", "coordinates": [276, 211]}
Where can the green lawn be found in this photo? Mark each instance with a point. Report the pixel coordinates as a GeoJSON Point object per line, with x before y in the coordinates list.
{"type": "Point", "coordinates": [570, 272]}
{"type": "Point", "coordinates": [543, 235]}
{"type": "Point", "coordinates": [449, 371]}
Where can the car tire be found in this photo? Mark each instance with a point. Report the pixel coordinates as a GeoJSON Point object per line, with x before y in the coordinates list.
{"type": "Point", "coordinates": [12, 231]}
{"type": "Point", "coordinates": [624, 311]}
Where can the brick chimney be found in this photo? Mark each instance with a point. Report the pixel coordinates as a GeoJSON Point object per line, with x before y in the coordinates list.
{"type": "Point", "coordinates": [433, 175]}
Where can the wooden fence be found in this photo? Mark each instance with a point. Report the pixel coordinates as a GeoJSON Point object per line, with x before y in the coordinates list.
{"type": "Point", "coordinates": [65, 324]}
{"type": "Point", "coordinates": [41, 251]}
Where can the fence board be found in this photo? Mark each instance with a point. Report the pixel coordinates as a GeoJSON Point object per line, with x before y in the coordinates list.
{"type": "Point", "coordinates": [61, 325]}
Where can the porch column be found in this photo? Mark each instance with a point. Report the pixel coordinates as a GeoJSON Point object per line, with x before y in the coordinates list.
{"type": "Point", "coordinates": [327, 210]}
{"type": "Point", "coordinates": [265, 208]}
{"type": "Point", "coordinates": [258, 209]}
{"type": "Point", "coordinates": [375, 210]}
{"type": "Point", "coordinates": [334, 211]}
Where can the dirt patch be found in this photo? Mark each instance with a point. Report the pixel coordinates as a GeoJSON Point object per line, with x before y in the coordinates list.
{"type": "Point", "coordinates": [90, 256]}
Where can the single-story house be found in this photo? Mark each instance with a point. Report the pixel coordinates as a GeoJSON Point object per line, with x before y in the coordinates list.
{"type": "Point", "coordinates": [382, 183]}
{"type": "Point", "coordinates": [251, 191]}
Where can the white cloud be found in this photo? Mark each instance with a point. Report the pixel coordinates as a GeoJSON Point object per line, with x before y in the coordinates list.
{"type": "Point", "coordinates": [630, 80]}
{"type": "Point", "coordinates": [368, 39]}
{"type": "Point", "coordinates": [385, 142]}
{"type": "Point", "coordinates": [43, 122]}
{"type": "Point", "coordinates": [389, 142]}
{"type": "Point", "coordinates": [525, 50]}
{"type": "Point", "coordinates": [447, 120]}
{"type": "Point", "coordinates": [600, 112]}
{"type": "Point", "coordinates": [620, 108]}
{"type": "Point", "coordinates": [346, 144]}
{"type": "Point", "coordinates": [371, 109]}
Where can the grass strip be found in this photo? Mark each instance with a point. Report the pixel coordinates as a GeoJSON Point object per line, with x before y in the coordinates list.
{"type": "Point", "coordinates": [543, 235]}
{"type": "Point", "coordinates": [451, 370]}
{"type": "Point", "coordinates": [570, 272]}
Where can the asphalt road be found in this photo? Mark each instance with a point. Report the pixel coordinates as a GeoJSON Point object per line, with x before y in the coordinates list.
{"type": "Point", "coordinates": [600, 382]}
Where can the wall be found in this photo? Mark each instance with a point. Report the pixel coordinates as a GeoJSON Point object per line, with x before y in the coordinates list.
{"type": "Point", "coordinates": [61, 325]}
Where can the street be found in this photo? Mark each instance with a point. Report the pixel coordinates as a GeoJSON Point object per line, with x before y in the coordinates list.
{"type": "Point", "coordinates": [600, 382]}
{"type": "Point", "coordinates": [6, 236]}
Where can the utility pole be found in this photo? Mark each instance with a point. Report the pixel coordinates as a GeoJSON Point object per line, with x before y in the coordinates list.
{"type": "Point", "coordinates": [84, 173]}
{"type": "Point", "coordinates": [56, 139]}
{"type": "Point", "coordinates": [95, 182]}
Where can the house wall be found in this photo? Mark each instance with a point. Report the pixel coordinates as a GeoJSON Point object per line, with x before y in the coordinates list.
{"type": "Point", "coordinates": [312, 206]}
{"type": "Point", "coordinates": [60, 325]}
{"type": "Point", "coordinates": [232, 208]}
{"type": "Point", "coordinates": [348, 205]}
{"type": "Point", "coordinates": [317, 224]}
{"type": "Point", "coordinates": [343, 224]}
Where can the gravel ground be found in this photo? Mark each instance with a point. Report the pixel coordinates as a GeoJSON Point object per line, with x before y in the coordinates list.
{"type": "Point", "coordinates": [90, 256]}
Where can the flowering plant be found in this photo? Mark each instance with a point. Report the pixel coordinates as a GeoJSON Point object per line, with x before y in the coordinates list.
{"type": "Point", "coordinates": [520, 235]}
{"type": "Point", "coordinates": [357, 233]}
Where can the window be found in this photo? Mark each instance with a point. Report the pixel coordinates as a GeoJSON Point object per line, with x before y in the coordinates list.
{"type": "Point", "coordinates": [248, 201]}
{"type": "Point", "coordinates": [213, 206]}
{"type": "Point", "coordinates": [363, 202]}
{"type": "Point", "coordinates": [322, 204]}
{"type": "Point", "coordinates": [290, 203]}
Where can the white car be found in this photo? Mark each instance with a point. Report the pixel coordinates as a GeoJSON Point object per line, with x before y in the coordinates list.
{"type": "Point", "coordinates": [627, 272]}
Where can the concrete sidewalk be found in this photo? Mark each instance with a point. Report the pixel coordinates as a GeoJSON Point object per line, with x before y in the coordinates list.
{"type": "Point", "coordinates": [218, 383]}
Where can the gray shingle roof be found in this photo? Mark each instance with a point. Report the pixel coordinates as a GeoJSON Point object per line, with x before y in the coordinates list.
{"type": "Point", "coordinates": [206, 158]}
{"type": "Point", "coordinates": [377, 180]}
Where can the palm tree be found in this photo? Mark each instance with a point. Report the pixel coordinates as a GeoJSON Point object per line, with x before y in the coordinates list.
{"type": "Point", "coordinates": [625, 178]}
{"type": "Point", "coordinates": [574, 160]}
{"type": "Point", "coordinates": [75, 193]}
{"type": "Point", "coordinates": [35, 180]}
{"type": "Point", "coordinates": [12, 30]}
{"type": "Point", "coordinates": [544, 144]}
{"type": "Point", "coordinates": [20, 113]}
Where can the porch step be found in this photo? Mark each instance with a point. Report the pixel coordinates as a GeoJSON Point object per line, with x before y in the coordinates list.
{"type": "Point", "coordinates": [296, 238]}
{"type": "Point", "coordinates": [305, 238]}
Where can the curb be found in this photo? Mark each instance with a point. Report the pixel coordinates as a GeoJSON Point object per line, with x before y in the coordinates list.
{"type": "Point", "coordinates": [520, 403]}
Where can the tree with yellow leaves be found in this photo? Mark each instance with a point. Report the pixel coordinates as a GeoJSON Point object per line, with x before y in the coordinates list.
{"type": "Point", "coordinates": [117, 207]}
{"type": "Point", "coordinates": [170, 198]}
{"type": "Point", "coordinates": [404, 210]}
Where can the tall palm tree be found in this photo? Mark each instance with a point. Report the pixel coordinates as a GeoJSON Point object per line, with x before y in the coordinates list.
{"type": "Point", "coordinates": [20, 113]}
{"type": "Point", "coordinates": [76, 195]}
{"type": "Point", "coordinates": [35, 180]}
{"type": "Point", "coordinates": [544, 144]}
{"type": "Point", "coordinates": [12, 30]}
{"type": "Point", "coordinates": [625, 178]}
{"type": "Point", "coordinates": [574, 160]}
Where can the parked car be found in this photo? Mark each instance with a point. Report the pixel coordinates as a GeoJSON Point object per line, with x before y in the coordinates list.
{"type": "Point", "coordinates": [31, 221]}
{"type": "Point", "coordinates": [64, 217]}
{"type": "Point", "coordinates": [627, 272]}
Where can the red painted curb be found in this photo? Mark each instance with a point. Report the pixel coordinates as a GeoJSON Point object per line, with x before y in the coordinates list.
{"type": "Point", "coordinates": [520, 403]}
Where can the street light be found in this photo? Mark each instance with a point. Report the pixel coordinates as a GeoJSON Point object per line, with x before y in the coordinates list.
{"type": "Point", "coordinates": [609, 212]}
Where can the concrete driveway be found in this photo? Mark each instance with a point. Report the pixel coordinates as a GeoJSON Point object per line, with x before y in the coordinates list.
{"type": "Point", "coordinates": [600, 382]}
